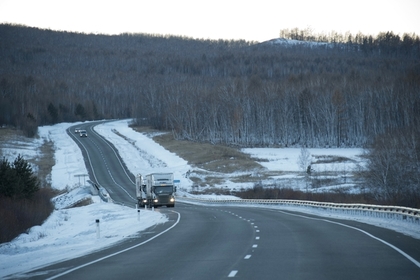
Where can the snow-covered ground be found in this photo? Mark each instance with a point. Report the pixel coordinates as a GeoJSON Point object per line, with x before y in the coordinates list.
{"type": "Point", "coordinates": [288, 159]}
{"type": "Point", "coordinates": [141, 154]}
{"type": "Point", "coordinates": [73, 232]}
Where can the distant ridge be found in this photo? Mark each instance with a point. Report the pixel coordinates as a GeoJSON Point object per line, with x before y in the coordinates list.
{"type": "Point", "coordinates": [292, 42]}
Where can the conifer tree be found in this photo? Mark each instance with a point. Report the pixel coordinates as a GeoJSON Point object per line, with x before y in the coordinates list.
{"type": "Point", "coordinates": [17, 180]}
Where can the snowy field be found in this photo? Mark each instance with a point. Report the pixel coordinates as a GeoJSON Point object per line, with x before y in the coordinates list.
{"type": "Point", "coordinates": [288, 159]}
{"type": "Point", "coordinates": [69, 233]}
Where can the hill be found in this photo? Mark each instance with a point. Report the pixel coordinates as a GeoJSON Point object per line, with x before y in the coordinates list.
{"type": "Point", "coordinates": [235, 93]}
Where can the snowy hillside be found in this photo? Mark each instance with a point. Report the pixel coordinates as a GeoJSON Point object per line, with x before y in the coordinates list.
{"type": "Point", "coordinates": [72, 232]}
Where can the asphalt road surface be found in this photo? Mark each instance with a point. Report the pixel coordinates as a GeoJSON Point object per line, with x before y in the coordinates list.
{"type": "Point", "coordinates": [104, 165]}
{"type": "Point", "coordinates": [221, 242]}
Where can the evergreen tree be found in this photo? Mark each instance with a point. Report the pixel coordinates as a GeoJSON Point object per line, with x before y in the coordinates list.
{"type": "Point", "coordinates": [17, 180]}
{"type": "Point", "coordinates": [28, 184]}
{"type": "Point", "coordinates": [53, 113]}
{"type": "Point", "coordinates": [7, 179]}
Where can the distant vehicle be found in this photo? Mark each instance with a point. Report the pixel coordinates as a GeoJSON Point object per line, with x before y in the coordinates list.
{"type": "Point", "coordinates": [83, 133]}
{"type": "Point", "coordinates": [77, 130]}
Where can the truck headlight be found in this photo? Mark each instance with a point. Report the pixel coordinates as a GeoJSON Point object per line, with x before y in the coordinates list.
{"type": "Point", "coordinates": [155, 200]}
{"type": "Point", "coordinates": [172, 199]}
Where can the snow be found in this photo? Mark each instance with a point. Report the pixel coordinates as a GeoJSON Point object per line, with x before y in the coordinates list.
{"type": "Point", "coordinates": [293, 42]}
{"type": "Point", "coordinates": [73, 232]}
{"type": "Point", "coordinates": [287, 159]}
{"type": "Point", "coordinates": [68, 157]}
{"type": "Point", "coordinates": [141, 154]}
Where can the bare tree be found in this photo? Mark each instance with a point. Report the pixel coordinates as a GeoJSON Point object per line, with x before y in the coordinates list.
{"type": "Point", "coordinates": [304, 160]}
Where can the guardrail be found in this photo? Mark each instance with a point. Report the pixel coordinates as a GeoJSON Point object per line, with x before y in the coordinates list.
{"type": "Point", "coordinates": [99, 190]}
{"type": "Point", "coordinates": [378, 211]}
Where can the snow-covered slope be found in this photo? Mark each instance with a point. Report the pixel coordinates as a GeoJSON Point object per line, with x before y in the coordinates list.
{"type": "Point", "coordinates": [69, 233]}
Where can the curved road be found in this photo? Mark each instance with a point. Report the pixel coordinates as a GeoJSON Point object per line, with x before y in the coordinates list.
{"type": "Point", "coordinates": [209, 242]}
{"type": "Point", "coordinates": [104, 165]}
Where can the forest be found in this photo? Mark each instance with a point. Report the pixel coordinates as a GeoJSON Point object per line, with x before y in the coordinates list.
{"type": "Point", "coordinates": [299, 90]}
{"type": "Point", "coordinates": [325, 91]}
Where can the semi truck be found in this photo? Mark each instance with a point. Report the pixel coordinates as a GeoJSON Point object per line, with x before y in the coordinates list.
{"type": "Point", "coordinates": [156, 189]}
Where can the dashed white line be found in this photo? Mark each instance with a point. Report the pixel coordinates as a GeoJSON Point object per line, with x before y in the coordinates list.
{"type": "Point", "coordinates": [247, 257]}
{"type": "Point", "coordinates": [232, 273]}
{"type": "Point", "coordinates": [257, 237]}
{"type": "Point", "coordinates": [255, 246]}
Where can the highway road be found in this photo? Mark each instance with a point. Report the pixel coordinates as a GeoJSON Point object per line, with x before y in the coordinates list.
{"type": "Point", "coordinates": [221, 242]}
{"type": "Point", "coordinates": [104, 165]}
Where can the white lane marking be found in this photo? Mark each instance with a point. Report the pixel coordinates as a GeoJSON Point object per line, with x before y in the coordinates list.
{"type": "Point", "coordinates": [232, 273]}
{"type": "Point", "coordinates": [247, 257]}
{"type": "Point", "coordinates": [257, 237]}
{"type": "Point", "coordinates": [117, 253]}
{"type": "Point", "coordinates": [255, 246]}
{"type": "Point", "coordinates": [362, 231]}
{"type": "Point", "coordinates": [257, 230]}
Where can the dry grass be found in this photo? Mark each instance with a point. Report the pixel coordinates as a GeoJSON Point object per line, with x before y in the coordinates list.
{"type": "Point", "coordinates": [216, 158]}
{"type": "Point", "coordinates": [212, 163]}
{"type": "Point", "coordinates": [45, 163]}
{"type": "Point", "coordinates": [42, 164]}
{"type": "Point", "coordinates": [330, 159]}
{"type": "Point", "coordinates": [9, 135]}
{"type": "Point", "coordinates": [18, 215]}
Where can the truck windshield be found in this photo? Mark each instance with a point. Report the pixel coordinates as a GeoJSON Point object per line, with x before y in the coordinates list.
{"type": "Point", "coordinates": [163, 190]}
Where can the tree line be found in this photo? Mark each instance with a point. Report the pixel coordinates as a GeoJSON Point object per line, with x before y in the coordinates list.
{"type": "Point", "coordinates": [392, 173]}
{"type": "Point", "coordinates": [219, 91]}
{"type": "Point", "coordinates": [389, 43]}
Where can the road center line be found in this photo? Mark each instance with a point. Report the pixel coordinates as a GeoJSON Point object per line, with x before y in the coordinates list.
{"type": "Point", "coordinates": [232, 273]}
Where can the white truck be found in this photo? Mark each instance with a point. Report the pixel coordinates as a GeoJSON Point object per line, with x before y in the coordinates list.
{"type": "Point", "coordinates": [156, 189]}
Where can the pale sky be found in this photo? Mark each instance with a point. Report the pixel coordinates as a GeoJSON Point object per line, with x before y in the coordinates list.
{"type": "Point", "coordinates": [258, 20]}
